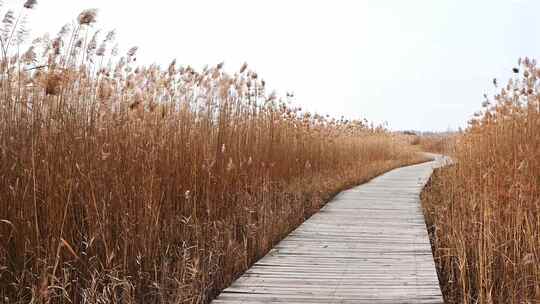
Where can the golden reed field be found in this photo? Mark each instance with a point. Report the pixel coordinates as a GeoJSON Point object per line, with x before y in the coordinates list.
{"type": "Point", "coordinates": [141, 184]}
{"type": "Point", "coordinates": [484, 211]}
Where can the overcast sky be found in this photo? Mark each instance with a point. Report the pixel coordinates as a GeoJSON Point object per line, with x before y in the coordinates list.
{"type": "Point", "coordinates": [420, 65]}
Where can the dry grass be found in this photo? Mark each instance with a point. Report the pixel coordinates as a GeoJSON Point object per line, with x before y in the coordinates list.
{"type": "Point", "coordinates": [485, 209]}
{"type": "Point", "coordinates": [437, 143]}
{"type": "Point", "coordinates": [124, 184]}
{"type": "Point", "coordinates": [433, 142]}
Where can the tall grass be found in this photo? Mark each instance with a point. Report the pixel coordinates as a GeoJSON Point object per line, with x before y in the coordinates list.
{"type": "Point", "coordinates": [123, 183]}
{"type": "Point", "coordinates": [441, 143]}
{"type": "Point", "coordinates": [485, 209]}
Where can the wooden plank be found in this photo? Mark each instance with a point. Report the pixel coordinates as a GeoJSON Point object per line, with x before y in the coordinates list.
{"type": "Point", "coordinates": [368, 245]}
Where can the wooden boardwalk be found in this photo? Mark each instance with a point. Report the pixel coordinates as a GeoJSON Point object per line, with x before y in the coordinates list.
{"type": "Point", "coordinates": [368, 245]}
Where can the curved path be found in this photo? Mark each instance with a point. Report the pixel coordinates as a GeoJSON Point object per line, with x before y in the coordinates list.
{"type": "Point", "coordinates": [368, 245]}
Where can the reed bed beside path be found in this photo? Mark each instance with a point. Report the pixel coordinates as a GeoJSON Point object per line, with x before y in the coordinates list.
{"type": "Point", "coordinates": [140, 184]}
{"type": "Point", "coordinates": [443, 143]}
{"type": "Point", "coordinates": [485, 209]}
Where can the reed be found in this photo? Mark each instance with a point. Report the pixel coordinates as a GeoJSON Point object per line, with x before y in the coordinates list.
{"type": "Point", "coordinates": [141, 184]}
{"type": "Point", "coordinates": [484, 211]}
{"type": "Point", "coordinates": [440, 143]}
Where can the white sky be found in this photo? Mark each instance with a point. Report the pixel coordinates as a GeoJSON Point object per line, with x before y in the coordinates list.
{"type": "Point", "coordinates": [420, 65]}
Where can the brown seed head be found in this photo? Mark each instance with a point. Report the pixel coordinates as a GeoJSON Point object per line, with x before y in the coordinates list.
{"type": "Point", "coordinates": [29, 4]}
{"type": "Point", "coordinates": [243, 67]}
{"type": "Point", "coordinates": [87, 17]}
{"type": "Point", "coordinates": [172, 68]}
{"type": "Point", "coordinates": [132, 51]}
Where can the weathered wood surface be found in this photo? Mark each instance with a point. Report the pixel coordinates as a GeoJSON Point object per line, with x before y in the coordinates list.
{"type": "Point", "coordinates": [368, 245]}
